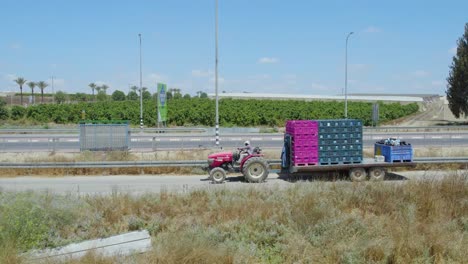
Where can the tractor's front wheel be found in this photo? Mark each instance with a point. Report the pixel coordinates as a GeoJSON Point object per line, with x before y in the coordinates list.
{"type": "Point", "coordinates": [218, 175]}
{"type": "Point", "coordinates": [255, 169]}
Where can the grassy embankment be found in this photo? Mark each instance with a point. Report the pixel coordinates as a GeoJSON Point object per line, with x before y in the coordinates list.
{"type": "Point", "coordinates": [389, 222]}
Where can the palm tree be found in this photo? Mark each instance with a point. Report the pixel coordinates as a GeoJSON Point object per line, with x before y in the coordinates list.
{"type": "Point", "coordinates": [42, 85]}
{"type": "Point", "coordinates": [32, 85]}
{"type": "Point", "coordinates": [93, 87]}
{"type": "Point", "coordinates": [98, 89]}
{"type": "Point", "coordinates": [104, 87]}
{"type": "Point", "coordinates": [20, 81]}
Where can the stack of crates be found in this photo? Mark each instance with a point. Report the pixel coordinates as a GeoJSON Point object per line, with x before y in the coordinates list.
{"type": "Point", "coordinates": [304, 142]}
{"type": "Point", "coordinates": [340, 141]}
{"type": "Point", "coordinates": [401, 153]}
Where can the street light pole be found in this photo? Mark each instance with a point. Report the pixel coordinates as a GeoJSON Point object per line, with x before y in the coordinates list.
{"type": "Point", "coordinates": [53, 93]}
{"type": "Point", "coordinates": [346, 76]}
{"type": "Point", "coordinates": [216, 74]}
{"type": "Point", "coordinates": [141, 91]}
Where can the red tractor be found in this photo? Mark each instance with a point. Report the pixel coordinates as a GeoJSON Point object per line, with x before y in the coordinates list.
{"type": "Point", "coordinates": [253, 166]}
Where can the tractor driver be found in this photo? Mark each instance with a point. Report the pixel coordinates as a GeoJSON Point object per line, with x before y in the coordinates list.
{"type": "Point", "coordinates": [245, 151]}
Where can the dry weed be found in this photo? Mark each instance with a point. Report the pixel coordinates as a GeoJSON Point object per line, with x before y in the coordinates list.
{"type": "Point", "coordinates": [422, 221]}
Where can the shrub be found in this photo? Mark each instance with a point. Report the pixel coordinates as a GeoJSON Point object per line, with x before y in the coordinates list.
{"type": "Point", "coordinates": [4, 113]}
{"type": "Point", "coordinates": [118, 96]}
{"type": "Point", "coordinates": [17, 112]}
{"type": "Point", "coordinates": [60, 97]}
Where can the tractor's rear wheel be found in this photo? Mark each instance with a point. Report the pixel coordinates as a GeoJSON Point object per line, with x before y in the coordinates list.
{"type": "Point", "coordinates": [218, 175]}
{"type": "Point", "coordinates": [357, 174]}
{"type": "Point", "coordinates": [255, 169]}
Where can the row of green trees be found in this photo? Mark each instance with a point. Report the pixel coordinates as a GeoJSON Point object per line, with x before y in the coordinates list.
{"type": "Point", "coordinates": [22, 81]}
{"type": "Point", "coordinates": [133, 94]}
{"type": "Point", "coordinates": [201, 111]}
{"type": "Point", "coordinates": [61, 97]}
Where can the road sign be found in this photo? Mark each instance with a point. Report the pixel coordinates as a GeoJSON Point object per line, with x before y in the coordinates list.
{"type": "Point", "coordinates": [162, 102]}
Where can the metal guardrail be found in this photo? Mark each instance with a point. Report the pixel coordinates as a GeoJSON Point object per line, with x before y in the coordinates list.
{"type": "Point", "coordinates": [76, 130]}
{"type": "Point", "coordinates": [414, 129]}
{"type": "Point", "coordinates": [181, 163]}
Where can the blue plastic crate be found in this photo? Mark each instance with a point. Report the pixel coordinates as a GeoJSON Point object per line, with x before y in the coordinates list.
{"type": "Point", "coordinates": [339, 160]}
{"type": "Point", "coordinates": [394, 153]}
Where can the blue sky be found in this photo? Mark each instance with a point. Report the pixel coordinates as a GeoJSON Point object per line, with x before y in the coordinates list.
{"type": "Point", "coordinates": [265, 46]}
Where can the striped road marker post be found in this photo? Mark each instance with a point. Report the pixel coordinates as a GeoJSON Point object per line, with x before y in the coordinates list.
{"type": "Point", "coordinates": [217, 135]}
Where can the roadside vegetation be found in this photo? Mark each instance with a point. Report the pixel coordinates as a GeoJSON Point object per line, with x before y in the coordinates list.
{"type": "Point", "coordinates": [318, 222]}
{"type": "Point", "coordinates": [187, 111]}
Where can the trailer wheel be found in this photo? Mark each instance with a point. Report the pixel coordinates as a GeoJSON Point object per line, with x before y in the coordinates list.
{"type": "Point", "coordinates": [376, 174]}
{"type": "Point", "coordinates": [218, 175]}
{"type": "Point", "coordinates": [255, 170]}
{"type": "Point", "coordinates": [357, 174]}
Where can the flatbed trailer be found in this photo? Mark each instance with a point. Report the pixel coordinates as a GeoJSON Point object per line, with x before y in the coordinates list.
{"type": "Point", "coordinates": [336, 146]}
{"type": "Point", "coordinates": [368, 169]}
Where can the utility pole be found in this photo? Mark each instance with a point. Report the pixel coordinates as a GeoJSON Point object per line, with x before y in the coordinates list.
{"type": "Point", "coordinates": [141, 91]}
{"type": "Point", "coordinates": [216, 75]}
{"type": "Point", "coordinates": [346, 76]}
{"type": "Point", "coordinates": [53, 93]}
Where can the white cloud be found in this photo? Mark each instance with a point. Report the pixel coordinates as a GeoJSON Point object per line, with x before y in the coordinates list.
{"type": "Point", "coordinates": [202, 73]}
{"type": "Point", "coordinates": [9, 77]}
{"type": "Point", "coordinates": [420, 73]}
{"type": "Point", "coordinates": [358, 66]}
{"type": "Point", "coordinates": [58, 83]}
{"type": "Point", "coordinates": [220, 80]}
{"type": "Point", "coordinates": [153, 78]}
{"type": "Point", "coordinates": [320, 87]}
{"type": "Point", "coordinates": [268, 60]}
{"type": "Point", "coordinates": [290, 76]}
{"type": "Point", "coordinates": [453, 50]}
{"type": "Point", "coordinates": [99, 83]}
{"type": "Point", "coordinates": [372, 29]}
{"type": "Point", "coordinates": [438, 83]}
{"type": "Point", "coordinates": [15, 46]}
{"type": "Point", "coordinates": [261, 77]}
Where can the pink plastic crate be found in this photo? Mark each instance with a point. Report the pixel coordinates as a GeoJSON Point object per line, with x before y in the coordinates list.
{"type": "Point", "coordinates": [304, 153]}
{"type": "Point", "coordinates": [309, 149]}
{"type": "Point", "coordinates": [308, 161]}
{"type": "Point", "coordinates": [302, 123]}
{"type": "Point", "coordinates": [295, 131]}
{"type": "Point", "coordinates": [306, 142]}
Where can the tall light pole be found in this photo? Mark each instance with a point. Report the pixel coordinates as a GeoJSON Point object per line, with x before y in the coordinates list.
{"type": "Point", "coordinates": [216, 73]}
{"type": "Point", "coordinates": [141, 91]}
{"type": "Point", "coordinates": [346, 77]}
{"type": "Point", "coordinates": [53, 93]}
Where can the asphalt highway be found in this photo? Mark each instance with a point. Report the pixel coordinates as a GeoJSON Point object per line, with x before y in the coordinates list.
{"type": "Point", "coordinates": [148, 142]}
{"type": "Point", "coordinates": [102, 185]}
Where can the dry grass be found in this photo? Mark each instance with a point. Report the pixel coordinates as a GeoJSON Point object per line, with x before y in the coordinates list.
{"type": "Point", "coordinates": [61, 172]}
{"type": "Point", "coordinates": [387, 222]}
{"type": "Point", "coordinates": [89, 156]}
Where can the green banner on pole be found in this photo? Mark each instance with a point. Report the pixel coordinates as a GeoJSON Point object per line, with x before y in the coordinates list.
{"type": "Point", "coordinates": [162, 102]}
